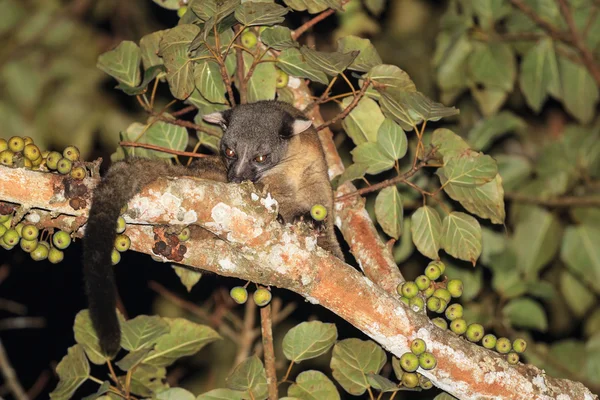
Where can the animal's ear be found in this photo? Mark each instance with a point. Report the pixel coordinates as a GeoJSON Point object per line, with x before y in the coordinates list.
{"type": "Point", "coordinates": [218, 117]}
{"type": "Point", "coordinates": [300, 125]}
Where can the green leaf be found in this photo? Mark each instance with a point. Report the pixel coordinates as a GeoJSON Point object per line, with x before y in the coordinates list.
{"type": "Point", "coordinates": [514, 170]}
{"type": "Point", "coordinates": [382, 384]}
{"type": "Point", "coordinates": [72, 371]}
{"type": "Point", "coordinates": [581, 94]}
{"type": "Point", "coordinates": [426, 230]}
{"type": "Point", "coordinates": [371, 155]}
{"type": "Point", "coordinates": [86, 336]}
{"type": "Point", "coordinates": [122, 63]}
{"type": "Point", "coordinates": [208, 80]}
{"type": "Point", "coordinates": [411, 108]}
{"type": "Point", "coordinates": [451, 70]}
{"type": "Point", "coordinates": [448, 143]}
{"type": "Point", "coordinates": [134, 358]}
{"type": "Point", "coordinates": [367, 57]}
{"type": "Point", "coordinates": [103, 389]}
{"type": "Point", "coordinates": [352, 172]}
{"type": "Point", "coordinates": [485, 201]}
{"type": "Point", "coordinates": [314, 6]}
{"type": "Point", "coordinates": [538, 70]}
{"type": "Point", "coordinates": [249, 13]}
{"type": "Point", "coordinates": [262, 84]}
{"type": "Point", "coordinates": [149, 75]}
{"type": "Point", "coordinates": [166, 135]}
{"type": "Point", "coordinates": [577, 296]}
{"type": "Point", "coordinates": [352, 360]}
{"type": "Point", "coordinates": [147, 380]}
{"type": "Point", "coordinates": [249, 376]}
{"type": "Point", "coordinates": [507, 279]}
{"type": "Point", "coordinates": [487, 130]}
{"type": "Point", "coordinates": [390, 78]}
{"type": "Point", "coordinates": [376, 7]}
{"type": "Point", "coordinates": [392, 139]}
{"type": "Point", "coordinates": [313, 385]}
{"type": "Point", "coordinates": [169, 4]}
{"type": "Point", "coordinates": [185, 338]}
{"type": "Point", "coordinates": [489, 11]}
{"type": "Point", "coordinates": [278, 37]}
{"type": "Point", "coordinates": [405, 247]}
{"type": "Point", "coordinates": [149, 47]}
{"type": "Point", "coordinates": [143, 331]}
{"type": "Point", "coordinates": [215, 9]}
{"type": "Point", "coordinates": [308, 340]}
{"type": "Point", "coordinates": [174, 48]}
{"type": "Point", "coordinates": [581, 253]}
{"type": "Point", "coordinates": [292, 62]}
{"type": "Point", "coordinates": [221, 394]}
{"type": "Point", "coordinates": [489, 99]}
{"type": "Point", "coordinates": [461, 236]}
{"type": "Point", "coordinates": [188, 277]}
{"type": "Point", "coordinates": [175, 394]}
{"type": "Point", "coordinates": [389, 211]}
{"type": "Point", "coordinates": [493, 65]}
{"type": "Point", "coordinates": [332, 63]}
{"type": "Point", "coordinates": [536, 240]}
{"type": "Point", "coordinates": [526, 313]}
{"type": "Point", "coordinates": [362, 124]}
{"type": "Point", "coordinates": [469, 169]}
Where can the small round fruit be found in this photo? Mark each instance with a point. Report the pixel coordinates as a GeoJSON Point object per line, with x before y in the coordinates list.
{"type": "Point", "coordinates": [409, 362]}
{"type": "Point", "coordinates": [458, 326]}
{"type": "Point", "coordinates": [239, 294]}
{"type": "Point", "coordinates": [11, 237]}
{"type": "Point", "coordinates": [16, 144]}
{"type": "Point", "coordinates": [410, 289]}
{"type": "Point", "coordinates": [427, 361]}
{"type": "Point", "coordinates": [55, 255]}
{"type": "Point", "coordinates": [418, 346]}
{"type": "Point", "coordinates": [249, 39]}
{"type": "Point", "coordinates": [405, 300]}
{"type": "Point", "coordinates": [181, 11]}
{"type": "Point", "coordinates": [3, 144]}
{"type": "Point", "coordinates": [5, 246]}
{"type": "Point", "coordinates": [19, 228]}
{"type": "Point", "coordinates": [29, 232]}
{"type": "Point", "coordinates": [121, 225]}
{"type": "Point", "coordinates": [443, 294]}
{"type": "Point", "coordinates": [6, 158]}
{"type": "Point", "coordinates": [454, 311]}
{"type": "Point", "coordinates": [3, 230]}
{"type": "Point", "coordinates": [423, 282]}
{"type": "Point", "coordinates": [27, 163]}
{"type": "Point", "coordinates": [78, 172]}
{"type": "Point", "coordinates": [519, 345]}
{"type": "Point", "coordinates": [318, 212]}
{"type": "Point", "coordinates": [262, 297]}
{"type": "Point", "coordinates": [64, 166]}
{"type": "Point", "coordinates": [28, 245]}
{"type": "Point", "coordinates": [475, 332]}
{"type": "Point", "coordinates": [40, 252]}
{"type": "Point", "coordinates": [489, 341]}
{"type": "Point", "coordinates": [433, 272]}
{"type": "Point", "coordinates": [122, 243]}
{"type": "Point", "coordinates": [503, 345]}
{"type": "Point", "coordinates": [512, 358]}
{"type": "Point", "coordinates": [440, 265]}
{"type": "Point", "coordinates": [184, 234]}
{"type": "Point", "coordinates": [455, 287]}
{"type": "Point", "coordinates": [399, 288]}
{"type": "Point", "coordinates": [443, 305]}
{"type": "Point", "coordinates": [115, 257]}
{"type": "Point", "coordinates": [429, 291]}
{"type": "Point", "coordinates": [45, 154]}
{"type": "Point", "coordinates": [433, 304]}
{"type": "Point", "coordinates": [416, 304]}
{"type": "Point", "coordinates": [27, 140]}
{"type": "Point", "coordinates": [425, 383]}
{"type": "Point", "coordinates": [282, 79]}
{"type": "Point", "coordinates": [37, 162]}
{"type": "Point", "coordinates": [440, 322]}
{"type": "Point", "coordinates": [71, 153]}
{"type": "Point", "coordinates": [410, 380]}
{"type": "Point", "coordinates": [32, 152]}
{"type": "Point", "coordinates": [53, 159]}
{"type": "Point", "coordinates": [61, 240]}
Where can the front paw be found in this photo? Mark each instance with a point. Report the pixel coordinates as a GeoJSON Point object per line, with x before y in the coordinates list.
{"type": "Point", "coordinates": [310, 223]}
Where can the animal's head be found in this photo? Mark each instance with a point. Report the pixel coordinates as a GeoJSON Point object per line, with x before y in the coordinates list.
{"type": "Point", "coordinates": [255, 138]}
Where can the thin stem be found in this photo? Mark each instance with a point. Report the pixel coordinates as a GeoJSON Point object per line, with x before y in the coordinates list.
{"type": "Point", "coordinates": [10, 376]}
{"type": "Point", "coordinates": [288, 372]}
{"type": "Point", "coordinates": [153, 93]}
{"type": "Point", "coordinates": [312, 22]}
{"type": "Point", "coordinates": [183, 111]}
{"type": "Point", "coordinates": [112, 371]}
{"type": "Point", "coordinates": [239, 58]}
{"type": "Point", "coordinates": [371, 396]}
{"type": "Point", "coordinates": [162, 149]}
{"type": "Point", "coordinates": [350, 107]}
{"type": "Point", "coordinates": [269, 356]}
{"type": "Point", "coordinates": [350, 85]}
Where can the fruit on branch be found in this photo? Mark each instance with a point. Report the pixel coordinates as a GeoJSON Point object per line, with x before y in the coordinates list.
{"type": "Point", "coordinates": [239, 294]}
{"type": "Point", "coordinates": [262, 297]}
{"type": "Point", "coordinates": [318, 212]}
{"type": "Point", "coordinates": [249, 39]}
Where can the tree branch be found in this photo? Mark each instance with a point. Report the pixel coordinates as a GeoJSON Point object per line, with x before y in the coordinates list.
{"type": "Point", "coordinates": [10, 377]}
{"type": "Point", "coordinates": [350, 107]}
{"type": "Point", "coordinates": [269, 351]}
{"type": "Point", "coordinates": [564, 201]}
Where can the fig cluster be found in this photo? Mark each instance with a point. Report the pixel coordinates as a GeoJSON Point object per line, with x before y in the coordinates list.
{"type": "Point", "coordinates": [418, 357]}
{"type": "Point", "coordinates": [261, 297]}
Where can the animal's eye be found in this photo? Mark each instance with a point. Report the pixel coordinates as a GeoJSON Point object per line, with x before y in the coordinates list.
{"type": "Point", "coordinates": [261, 159]}
{"type": "Point", "coordinates": [229, 152]}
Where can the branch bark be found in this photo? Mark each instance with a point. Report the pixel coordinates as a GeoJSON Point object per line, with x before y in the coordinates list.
{"type": "Point", "coordinates": [252, 245]}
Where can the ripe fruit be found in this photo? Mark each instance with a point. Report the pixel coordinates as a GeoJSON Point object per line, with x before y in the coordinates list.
{"type": "Point", "coordinates": [6, 158]}
{"type": "Point", "coordinates": [4, 245]}
{"type": "Point", "coordinates": [16, 144]}
{"type": "Point", "coordinates": [71, 153]}
{"type": "Point", "coordinates": [399, 288]}
{"type": "Point", "coordinates": [41, 251]}
{"type": "Point", "coordinates": [425, 383]}
{"type": "Point", "coordinates": [519, 345]}
{"type": "Point", "coordinates": [455, 287]}
{"type": "Point", "coordinates": [61, 240]}
{"type": "Point", "coordinates": [27, 140]}
{"type": "Point", "coordinates": [512, 358]}
{"type": "Point", "coordinates": [405, 300]}
{"type": "Point", "coordinates": [489, 341]}
{"type": "Point", "coordinates": [181, 11]}
{"type": "Point", "coordinates": [55, 256]}
{"type": "Point", "coordinates": [433, 272]}
{"type": "Point", "coordinates": [418, 346]}
{"type": "Point", "coordinates": [416, 304]}
{"type": "Point", "coordinates": [249, 39]}
{"type": "Point", "coordinates": [318, 212]}
{"type": "Point", "coordinates": [503, 345]}
{"type": "Point", "coordinates": [239, 294]}
{"type": "Point", "coordinates": [3, 144]}
{"type": "Point", "coordinates": [121, 225]}
{"type": "Point", "coordinates": [427, 360]}
{"type": "Point", "coordinates": [475, 332]}
{"type": "Point", "coordinates": [410, 380]}
{"type": "Point", "coordinates": [32, 152]}
{"type": "Point", "coordinates": [410, 289]}
{"type": "Point", "coordinates": [78, 173]}
{"type": "Point", "coordinates": [454, 311]}
{"type": "Point", "coordinates": [409, 362]}
{"type": "Point", "coordinates": [184, 234]}
{"type": "Point", "coordinates": [429, 291]}
{"type": "Point", "coordinates": [440, 322]}
{"type": "Point", "coordinates": [423, 282]}
{"type": "Point", "coordinates": [443, 305]}
{"type": "Point", "coordinates": [458, 326]}
{"type": "Point", "coordinates": [433, 304]}
{"type": "Point", "coordinates": [440, 265]}
{"type": "Point", "coordinates": [262, 297]}
{"type": "Point", "coordinates": [28, 245]}
{"type": "Point", "coordinates": [443, 294]}
{"type": "Point", "coordinates": [11, 237]}
{"type": "Point", "coordinates": [282, 79]}
{"type": "Point", "coordinates": [115, 257]}
{"type": "Point", "coordinates": [122, 243]}
{"type": "Point", "coordinates": [64, 166]}
{"type": "Point", "coordinates": [52, 159]}
{"type": "Point", "coordinates": [29, 232]}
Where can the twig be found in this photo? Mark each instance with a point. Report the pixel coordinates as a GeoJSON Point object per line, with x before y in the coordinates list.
{"type": "Point", "coordinates": [547, 26]}
{"type": "Point", "coordinates": [10, 377]}
{"type": "Point", "coordinates": [564, 201]}
{"type": "Point", "coordinates": [13, 307]}
{"type": "Point", "coordinates": [309, 24]}
{"type": "Point", "coordinates": [163, 149]}
{"type": "Point", "coordinates": [39, 385]}
{"type": "Point", "coordinates": [350, 107]}
{"type": "Point", "coordinates": [239, 57]}
{"type": "Point", "coordinates": [246, 337]}
{"type": "Point", "coordinates": [185, 124]}
{"type": "Point", "coordinates": [22, 323]}
{"type": "Point", "coordinates": [183, 111]}
{"type": "Point", "coordinates": [267, 341]}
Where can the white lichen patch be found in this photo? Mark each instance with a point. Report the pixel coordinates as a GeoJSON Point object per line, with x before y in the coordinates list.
{"type": "Point", "coordinates": [311, 300]}
{"type": "Point", "coordinates": [310, 243]}
{"type": "Point", "coordinates": [563, 397]}
{"type": "Point", "coordinates": [227, 264]}
{"type": "Point", "coordinates": [540, 382]}
{"type": "Point", "coordinates": [294, 82]}
{"type": "Point", "coordinates": [237, 224]}
{"type": "Point", "coordinates": [306, 280]}
{"type": "Point", "coordinates": [368, 281]}
{"type": "Point", "coordinates": [33, 218]}
{"type": "Point", "coordinates": [254, 197]}
{"type": "Point", "coordinates": [270, 203]}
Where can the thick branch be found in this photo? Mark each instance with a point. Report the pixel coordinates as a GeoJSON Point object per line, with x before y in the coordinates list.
{"type": "Point", "coordinates": [254, 246]}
